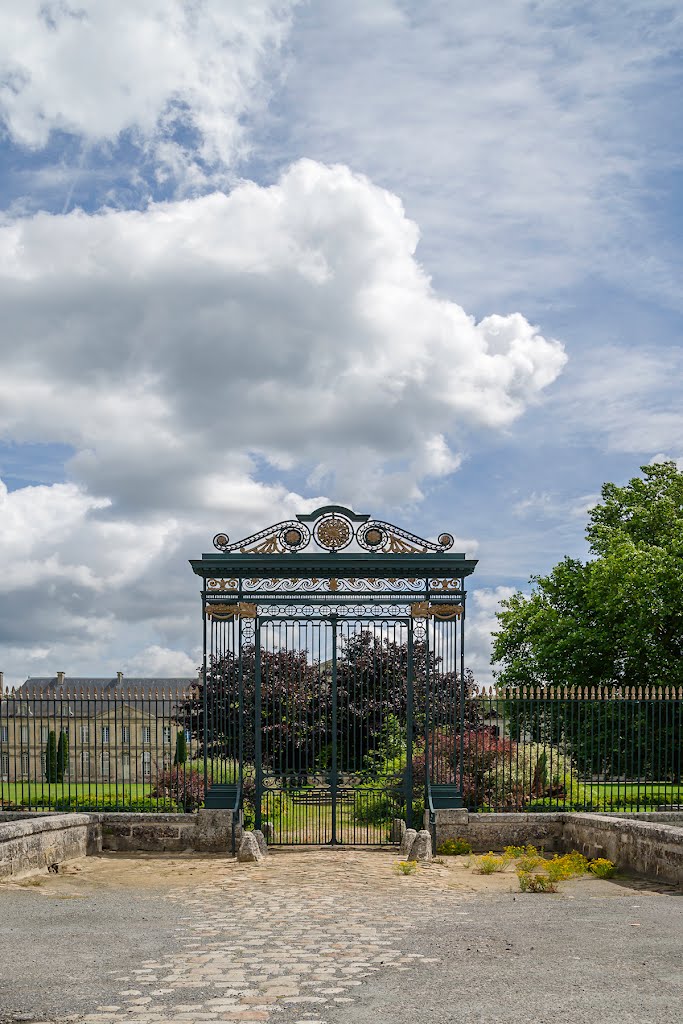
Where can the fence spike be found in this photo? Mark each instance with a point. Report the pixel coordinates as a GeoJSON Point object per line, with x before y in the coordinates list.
{"type": "Point", "coordinates": [666, 692]}
{"type": "Point", "coordinates": [156, 693]}
{"type": "Point", "coordinates": [640, 693]}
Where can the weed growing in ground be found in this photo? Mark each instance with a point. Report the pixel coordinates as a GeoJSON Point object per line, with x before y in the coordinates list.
{"type": "Point", "coordinates": [571, 865]}
{"type": "Point", "coordinates": [530, 860]}
{"type": "Point", "coordinates": [454, 847]}
{"type": "Point", "coordinates": [535, 882]}
{"type": "Point", "coordinates": [490, 862]}
{"type": "Point", "coordinates": [602, 868]}
{"type": "Point", "coordinates": [406, 867]}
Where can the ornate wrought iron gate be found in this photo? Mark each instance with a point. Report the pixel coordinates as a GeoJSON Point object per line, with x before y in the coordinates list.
{"type": "Point", "coordinates": [333, 680]}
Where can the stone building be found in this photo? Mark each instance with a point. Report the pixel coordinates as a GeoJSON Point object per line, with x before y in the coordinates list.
{"type": "Point", "coordinates": [117, 730]}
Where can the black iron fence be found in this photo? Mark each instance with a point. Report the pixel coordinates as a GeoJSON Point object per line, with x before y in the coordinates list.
{"type": "Point", "coordinates": [596, 749]}
{"type": "Point", "coordinates": [83, 750]}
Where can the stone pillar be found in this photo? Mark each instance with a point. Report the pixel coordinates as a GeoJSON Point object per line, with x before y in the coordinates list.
{"type": "Point", "coordinates": [451, 823]}
{"type": "Point", "coordinates": [407, 843]}
{"type": "Point", "coordinates": [422, 847]}
{"type": "Point", "coordinates": [248, 851]}
{"type": "Point", "coordinates": [213, 831]}
{"type": "Point", "coordinates": [398, 828]}
{"type": "Point", "coordinates": [260, 841]}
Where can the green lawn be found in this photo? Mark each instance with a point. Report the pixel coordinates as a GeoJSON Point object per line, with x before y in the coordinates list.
{"type": "Point", "coordinates": [37, 795]}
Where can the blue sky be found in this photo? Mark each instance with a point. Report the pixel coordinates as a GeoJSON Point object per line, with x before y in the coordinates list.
{"type": "Point", "coordinates": [421, 259]}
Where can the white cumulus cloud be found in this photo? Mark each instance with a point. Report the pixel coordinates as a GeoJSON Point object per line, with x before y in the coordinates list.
{"type": "Point", "coordinates": [98, 68]}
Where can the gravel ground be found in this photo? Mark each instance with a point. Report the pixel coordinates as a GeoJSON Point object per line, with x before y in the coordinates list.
{"type": "Point", "coordinates": [333, 938]}
{"type": "Point", "coordinates": [577, 957]}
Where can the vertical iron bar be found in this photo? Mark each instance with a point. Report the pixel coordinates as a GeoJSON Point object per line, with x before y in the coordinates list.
{"type": "Point", "coordinates": [257, 722]}
{"type": "Point", "coordinates": [205, 696]}
{"type": "Point", "coordinates": [334, 780]}
{"type": "Point", "coordinates": [409, 729]}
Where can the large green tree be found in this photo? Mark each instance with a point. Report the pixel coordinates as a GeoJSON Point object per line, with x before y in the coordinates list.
{"type": "Point", "coordinates": [616, 619]}
{"type": "Point", "coordinates": [51, 757]}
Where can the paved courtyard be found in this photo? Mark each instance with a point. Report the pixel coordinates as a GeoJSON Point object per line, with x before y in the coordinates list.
{"type": "Point", "coordinates": [327, 937]}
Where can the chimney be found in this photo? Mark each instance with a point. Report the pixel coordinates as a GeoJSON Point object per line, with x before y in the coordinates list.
{"type": "Point", "coordinates": [60, 678]}
{"type": "Point", "coordinates": [119, 678]}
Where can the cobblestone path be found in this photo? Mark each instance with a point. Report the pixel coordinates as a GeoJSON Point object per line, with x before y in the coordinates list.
{"type": "Point", "coordinates": [286, 940]}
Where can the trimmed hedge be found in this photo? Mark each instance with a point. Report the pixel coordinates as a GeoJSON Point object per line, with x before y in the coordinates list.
{"type": "Point", "coordinates": [110, 803]}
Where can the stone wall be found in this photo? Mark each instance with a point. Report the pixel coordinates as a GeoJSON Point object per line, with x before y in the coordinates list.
{"type": "Point", "coordinates": [645, 843]}
{"type": "Point", "coordinates": [207, 831]}
{"type": "Point", "coordinates": [29, 845]}
{"type": "Point", "coordinates": [494, 831]}
{"type": "Point", "coordinates": [645, 847]}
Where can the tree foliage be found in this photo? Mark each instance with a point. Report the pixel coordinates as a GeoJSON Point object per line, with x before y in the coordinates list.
{"type": "Point", "coordinates": [616, 619]}
{"type": "Point", "coordinates": [51, 757]}
{"type": "Point", "coordinates": [62, 756]}
{"type": "Point", "coordinates": [296, 696]}
{"type": "Point", "coordinates": [180, 756]}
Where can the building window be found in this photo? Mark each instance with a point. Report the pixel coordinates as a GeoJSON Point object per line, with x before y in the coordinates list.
{"type": "Point", "coordinates": [146, 764]}
{"type": "Point", "coordinates": [4, 767]}
{"type": "Point", "coordinates": [85, 764]}
{"type": "Point", "coordinates": [104, 764]}
{"type": "Point", "coordinates": [105, 734]}
{"type": "Point", "coordinates": [24, 764]}
{"type": "Point", "coordinates": [125, 734]}
{"type": "Point", "coordinates": [146, 733]}
{"type": "Point", "coordinates": [166, 734]}
{"type": "Point", "coordinates": [24, 734]}
{"type": "Point", "coordinates": [125, 765]}
{"type": "Point", "coordinates": [188, 735]}
{"type": "Point", "coordinates": [85, 733]}
{"type": "Point", "coordinates": [44, 733]}
{"type": "Point", "coordinates": [167, 762]}
{"type": "Point", "coordinates": [4, 733]}
{"type": "Point", "coordinates": [43, 764]}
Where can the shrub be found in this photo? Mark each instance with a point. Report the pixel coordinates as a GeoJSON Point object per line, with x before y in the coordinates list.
{"type": "Point", "coordinates": [514, 852]}
{"type": "Point", "coordinates": [180, 756]}
{"type": "Point", "coordinates": [535, 883]}
{"type": "Point", "coordinates": [490, 862]}
{"type": "Point", "coordinates": [455, 847]}
{"type": "Point", "coordinates": [184, 786]}
{"type": "Point", "coordinates": [372, 807]}
{"type": "Point", "coordinates": [602, 868]}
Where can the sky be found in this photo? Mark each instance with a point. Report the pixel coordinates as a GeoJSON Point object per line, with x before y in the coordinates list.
{"type": "Point", "coordinates": [421, 259]}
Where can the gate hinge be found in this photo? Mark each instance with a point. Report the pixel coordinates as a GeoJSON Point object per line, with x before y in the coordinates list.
{"type": "Point", "coordinates": [425, 610]}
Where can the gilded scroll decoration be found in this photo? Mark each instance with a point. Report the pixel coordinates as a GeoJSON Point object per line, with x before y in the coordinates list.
{"type": "Point", "coordinates": [333, 528]}
{"type": "Point", "coordinates": [223, 612]}
{"type": "Point", "coordinates": [442, 612]}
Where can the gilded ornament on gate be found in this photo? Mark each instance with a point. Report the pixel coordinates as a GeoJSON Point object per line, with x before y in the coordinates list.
{"type": "Point", "coordinates": [333, 533]}
{"type": "Point", "coordinates": [292, 537]}
{"type": "Point", "coordinates": [374, 537]}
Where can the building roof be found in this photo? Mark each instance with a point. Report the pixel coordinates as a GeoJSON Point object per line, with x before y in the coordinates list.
{"type": "Point", "coordinates": [99, 686]}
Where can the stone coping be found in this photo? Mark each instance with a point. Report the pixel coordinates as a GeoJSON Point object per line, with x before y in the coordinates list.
{"type": "Point", "coordinates": [17, 829]}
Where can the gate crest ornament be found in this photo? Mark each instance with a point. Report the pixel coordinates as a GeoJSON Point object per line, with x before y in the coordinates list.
{"type": "Point", "coordinates": [333, 529]}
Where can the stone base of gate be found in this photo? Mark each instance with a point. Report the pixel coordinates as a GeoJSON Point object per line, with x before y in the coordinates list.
{"type": "Point", "coordinates": [213, 831]}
